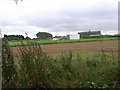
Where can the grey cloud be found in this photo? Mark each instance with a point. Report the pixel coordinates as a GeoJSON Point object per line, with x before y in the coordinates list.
{"type": "Point", "coordinates": [98, 18]}
{"type": "Point", "coordinates": [102, 18]}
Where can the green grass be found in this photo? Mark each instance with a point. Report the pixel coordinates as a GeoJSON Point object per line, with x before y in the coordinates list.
{"type": "Point", "coordinates": [26, 43]}
{"type": "Point", "coordinates": [83, 70]}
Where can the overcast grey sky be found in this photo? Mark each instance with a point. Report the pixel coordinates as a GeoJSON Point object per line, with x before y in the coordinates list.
{"type": "Point", "coordinates": [59, 17]}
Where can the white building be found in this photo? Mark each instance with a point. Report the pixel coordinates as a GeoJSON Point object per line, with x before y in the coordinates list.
{"type": "Point", "coordinates": [74, 36]}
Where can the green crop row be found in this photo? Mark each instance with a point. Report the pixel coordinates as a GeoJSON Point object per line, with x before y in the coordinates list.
{"type": "Point", "coordinates": [27, 43]}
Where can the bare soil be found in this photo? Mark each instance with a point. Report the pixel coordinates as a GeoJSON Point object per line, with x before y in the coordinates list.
{"type": "Point", "coordinates": [110, 47]}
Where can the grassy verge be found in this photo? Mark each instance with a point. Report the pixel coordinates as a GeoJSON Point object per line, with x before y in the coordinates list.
{"type": "Point", "coordinates": [25, 43]}
{"type": "Point", "coordinates": [34, 69]}
{"type": "Point", "coordinates": [84, 70]}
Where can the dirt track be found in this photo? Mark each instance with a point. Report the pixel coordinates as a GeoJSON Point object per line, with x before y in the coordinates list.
{"type": "Point", "coordinates": [79, 47]}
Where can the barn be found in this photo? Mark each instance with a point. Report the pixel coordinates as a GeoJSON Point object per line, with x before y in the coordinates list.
{"type": "Point", "coordinates": [89, 34]}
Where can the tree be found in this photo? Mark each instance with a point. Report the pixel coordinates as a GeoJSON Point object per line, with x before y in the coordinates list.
{"type": "Point", "coordinates": [13, 37]}
{"type": "Point", "coordinates": [44, 35]}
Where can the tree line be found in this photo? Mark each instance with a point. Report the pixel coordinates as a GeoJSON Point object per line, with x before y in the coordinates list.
{"type": "Point", "coordinates": [40, 35]}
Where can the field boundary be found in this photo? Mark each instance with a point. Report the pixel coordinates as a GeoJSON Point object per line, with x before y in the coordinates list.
{"type": "Point", "coordinates": [28, 43]}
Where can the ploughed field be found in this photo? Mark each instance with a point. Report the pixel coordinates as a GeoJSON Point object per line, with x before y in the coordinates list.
{"type": "Point", "coordinates": [110, 47]}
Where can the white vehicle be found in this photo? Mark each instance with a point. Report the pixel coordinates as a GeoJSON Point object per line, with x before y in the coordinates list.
{"type": "Point", "coordinates": [55, 38]}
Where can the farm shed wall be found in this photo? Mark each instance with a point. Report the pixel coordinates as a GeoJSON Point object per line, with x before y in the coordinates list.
{"type": "Point", "coordinates": [89, 33]}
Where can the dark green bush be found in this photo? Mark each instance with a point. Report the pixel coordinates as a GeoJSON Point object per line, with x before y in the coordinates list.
{"type": "Point", "coordinates": [32, 68]}
{"type": "Point", "coordinates": [9, 73]}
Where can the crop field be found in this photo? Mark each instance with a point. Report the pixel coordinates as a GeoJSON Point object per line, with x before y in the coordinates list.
{"type": "Point", "coordinates": [27, 43]}
{"type": "Point", "coordinates": [110, 47]}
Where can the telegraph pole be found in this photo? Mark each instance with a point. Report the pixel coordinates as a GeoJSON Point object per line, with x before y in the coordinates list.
{"type": "Point", "coordinates": [26, 34]}
{"type": "Point", "coordinates": [16, 1]}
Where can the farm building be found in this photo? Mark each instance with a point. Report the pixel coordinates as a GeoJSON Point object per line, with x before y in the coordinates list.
{"type": "Point", "coordinates": [89, 34]}
{"type": "Point", "coordinates": [73, 36]}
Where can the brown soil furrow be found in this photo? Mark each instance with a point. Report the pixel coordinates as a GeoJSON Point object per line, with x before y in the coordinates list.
{"type": "Point", "coordinates": [98, 46]}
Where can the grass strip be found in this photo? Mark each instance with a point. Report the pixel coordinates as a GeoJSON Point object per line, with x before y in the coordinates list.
{"type": "Point", "coordinates": [27, 43]}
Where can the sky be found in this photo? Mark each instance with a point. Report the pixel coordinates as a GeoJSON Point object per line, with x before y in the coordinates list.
{"type": "Point", "coordinates": [58, 17]}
